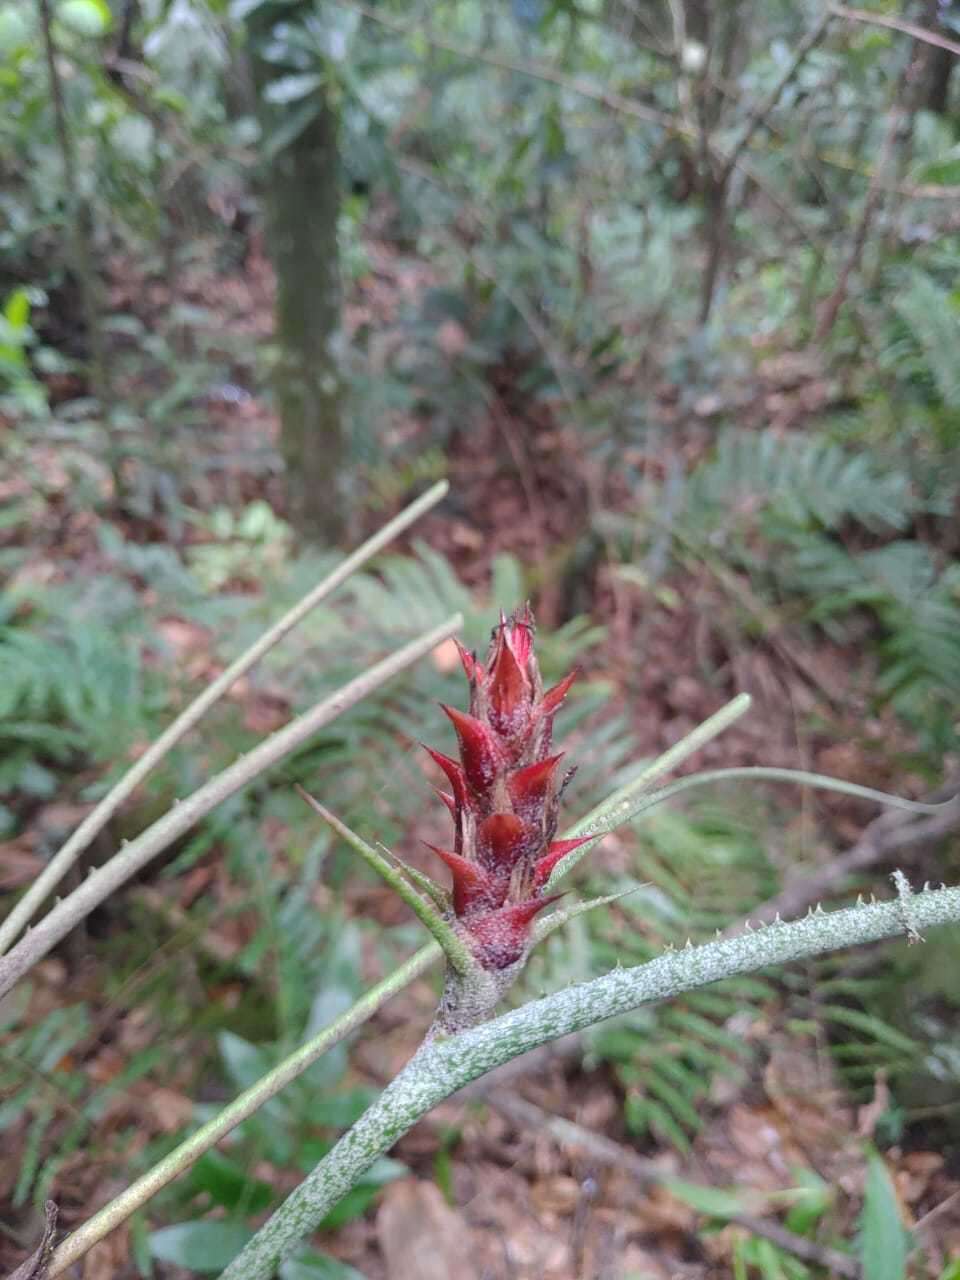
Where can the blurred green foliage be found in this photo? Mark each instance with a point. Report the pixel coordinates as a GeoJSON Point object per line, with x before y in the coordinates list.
{"type": "Point", "coordinates": [540, 177]}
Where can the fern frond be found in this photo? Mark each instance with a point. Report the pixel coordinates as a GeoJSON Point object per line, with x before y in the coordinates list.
{"type": "Point", "coordinates": [932, 315]}
{"type": "Point", "coordinates": [797, 480]}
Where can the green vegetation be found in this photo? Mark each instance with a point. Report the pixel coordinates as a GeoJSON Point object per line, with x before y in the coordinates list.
{"type": "Point", "coordinates": [668, 293]}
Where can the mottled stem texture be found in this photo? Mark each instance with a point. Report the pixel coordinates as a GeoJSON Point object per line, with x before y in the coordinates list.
{"type": "Point", "coordinates": [445, 1064]}
{"type": "Point", "coordinates": [176, 1162]}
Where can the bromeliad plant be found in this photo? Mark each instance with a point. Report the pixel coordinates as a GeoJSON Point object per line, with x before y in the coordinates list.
{"type": "Point", "coordinates": [505, 802]}
{"type": "Point", "coordinates": [505, 859]}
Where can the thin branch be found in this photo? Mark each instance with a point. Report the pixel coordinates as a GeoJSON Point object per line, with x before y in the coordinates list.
{"type": "Point", "coordinates": [871, 206]}
{"type": "Point", "coordinates": [446, 1064]}
{"type": "Point", "coordinates": [101, 883]}
{"type": "Point", "coordinates": [887, 834]}
{"type": "Point", "coordinates": [763, 109]}
{"type": "Point", "coordinates": [536, 70]}
{"type": "Point", "coordinates": [923, 1225]}
{"type": "Point", "coordinates": [245, 1105]}
{"type": "Point", "coordinates": [95, 821]}
{"type": "Point", "coordinates": [896, 24]}
{"type": "Point", "coordinates": [647, 1173]}
{"type": "Point", "coordinates": [36, 1266]}
{"type": "Point", "coordinates": [635, 798]}
{"type": "Point", "coordinates": [617, 103]}
{"type": "Point", "coordinates": [602, 817]}
{"type": "Point", "coordinates": [764, 773]}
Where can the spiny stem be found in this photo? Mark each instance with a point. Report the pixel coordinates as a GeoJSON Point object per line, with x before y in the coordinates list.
{"type": "Point", "coordinates": [96, 820]}
{"type": "Point", "coordinates": [247, 1103]}
{"type": "Point", "coordinates": [446, 1064]}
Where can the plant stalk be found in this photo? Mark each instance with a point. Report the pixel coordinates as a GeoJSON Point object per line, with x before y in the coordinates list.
{"type": "Point", "coordinates": [443, 1066]}
{"type": "Point", "coordinates": [100, 884]}
{"type": "Point", "coordinates": [245, 1105]}
{"type": "Point", "coordinates": [97, 819]}
{"type": "Point", "coordinates": [623, 803]}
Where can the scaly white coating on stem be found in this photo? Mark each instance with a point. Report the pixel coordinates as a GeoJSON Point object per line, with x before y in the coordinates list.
{"type": "Point", "coordinates": [444, 1065]}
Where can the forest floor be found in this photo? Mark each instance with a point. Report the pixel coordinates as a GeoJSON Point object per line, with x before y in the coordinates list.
{"type": "Point", "coordinates": [491, 1191]}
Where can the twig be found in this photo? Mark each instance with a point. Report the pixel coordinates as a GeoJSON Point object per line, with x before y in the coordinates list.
{"type": "Point", "coordinates": [875, 192]}
{"type": "Point", "coordinates": [717, 184]}
{"type": "Point", "coordinates": [536, 70]}
{"type": "Point", "coordinates": [247, 1104]}
{"type": "Point", "coordinates": [101, 883]}
{"type": "Point", "coordinates": [887, 834]}
{"type": "Point", "coordinates": [648, 1173]}
{"type": "Point", "coordinates": [896, 24]}
{"type": "Point", "coordinates": [759, 114]}
{"type": "Point", "coordinates": [94, 823]}
{"type": "Point", "coordinates": [445, 1064]}
{"type": "Point", "coordinates": [923, 1225]}
{"type": "Point", "coordinates": [36, 1266]}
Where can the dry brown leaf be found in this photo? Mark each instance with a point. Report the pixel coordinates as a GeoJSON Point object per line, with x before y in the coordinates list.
{"type": "Point", "coordinates": [421, 1237]}
{"type": "Point", "coordinates": [106, 1260]}
{"type": "Point", "coordinates": [169, 1109]}
{"type": "Point", "coordinates": [19, 865]}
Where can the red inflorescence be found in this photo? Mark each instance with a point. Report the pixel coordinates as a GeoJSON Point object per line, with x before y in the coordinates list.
{"type": "Point", "coordinates": [505, 795]}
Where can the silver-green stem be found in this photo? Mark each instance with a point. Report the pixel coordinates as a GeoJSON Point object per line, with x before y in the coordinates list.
{"type": "Point", "coordinates": [444, 1065]}
{"type": "Point", "coordinates": [798, 777]}
{"type": "Point", "coordinates": [189, 1151]}
{"type": "Point", "coordinates": [621, 804]}
{"type": "Point", "coordinates": [242, 1107]}
{"type": "Point", "coordinates": [98, 818]}
{"type": "Point", "coordinates": [134, 856]}
{"type": "Point", "coordinates": [635, 799]}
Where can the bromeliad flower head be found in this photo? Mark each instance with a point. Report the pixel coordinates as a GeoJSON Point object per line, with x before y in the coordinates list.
{"type": "Point", "coordinates": [504, 796]}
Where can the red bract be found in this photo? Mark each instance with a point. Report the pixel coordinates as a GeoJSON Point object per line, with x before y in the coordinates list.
{"type": "Point", "coordinates": [506, 795]}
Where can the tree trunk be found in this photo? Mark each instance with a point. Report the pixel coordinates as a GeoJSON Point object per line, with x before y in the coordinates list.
{"type": "Point", "coordinates": [302, 202]}
{"type": "Point", "coordinates": [937, 64]}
